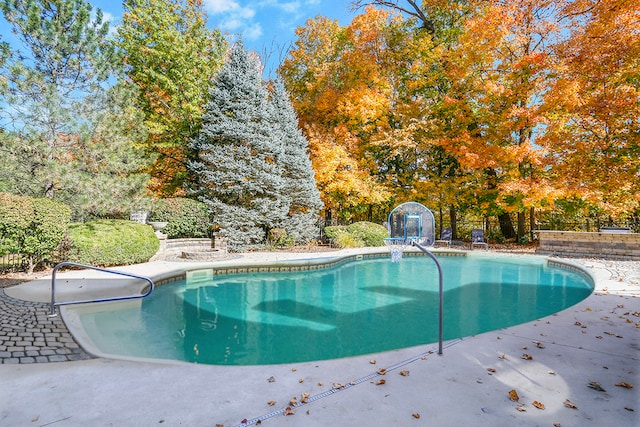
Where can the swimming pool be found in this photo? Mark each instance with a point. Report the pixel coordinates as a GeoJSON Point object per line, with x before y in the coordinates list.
{"type": "Point", "coordinates": [352, 307]}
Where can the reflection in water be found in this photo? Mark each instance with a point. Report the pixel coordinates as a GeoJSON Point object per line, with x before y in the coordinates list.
{"type": "Point", "coordinates": [358, 308]}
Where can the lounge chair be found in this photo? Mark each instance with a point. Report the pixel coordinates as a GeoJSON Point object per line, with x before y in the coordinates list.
{"type": "Point", "coordinates": [445, 237]}
{"type": "Point", "coordinates": [477, 238]}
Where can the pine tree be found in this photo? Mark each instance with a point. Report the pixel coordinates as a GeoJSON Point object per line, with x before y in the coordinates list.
{"type": "Point", "coordinates": [71, 129]}
{"type": "Point", "coordinates": [238, 163]}
{"type": "Point", "coordinates": [297, 172]}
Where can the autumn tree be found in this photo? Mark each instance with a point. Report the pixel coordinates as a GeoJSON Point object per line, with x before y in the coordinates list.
{"type": "Point", "coordinates": [339, 81]}
{"type": "Point", "coordinates": [592, 138]}
{"type": "Point", "coordinates": [238, 166]}
{"type": "Point", "coordinates": [70, 129]}
{"type": "Point", "coordinates": [172, 57]}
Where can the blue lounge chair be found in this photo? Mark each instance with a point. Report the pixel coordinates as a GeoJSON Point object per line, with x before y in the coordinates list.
{"type": "Point", "coordinates": [445, 237]}
{"type": "Point", "coordinates": [477, 238]}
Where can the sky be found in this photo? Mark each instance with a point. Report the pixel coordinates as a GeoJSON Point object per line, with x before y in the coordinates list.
{"type": "Point", "coordinates": [266, 26]}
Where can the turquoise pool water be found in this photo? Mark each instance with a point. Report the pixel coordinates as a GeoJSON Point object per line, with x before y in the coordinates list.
{"type": "Point", "coordinates": [359, 307]}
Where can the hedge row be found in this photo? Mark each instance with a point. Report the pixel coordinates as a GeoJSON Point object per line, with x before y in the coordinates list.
{"type": "Point", "coordinates": [357, 235]}
{"type": "Point", "coordinates": [38, 228]}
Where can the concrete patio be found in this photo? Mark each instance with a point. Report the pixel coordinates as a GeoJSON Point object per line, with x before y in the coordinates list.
{"type": "Point", "coordinates": [583, 370]}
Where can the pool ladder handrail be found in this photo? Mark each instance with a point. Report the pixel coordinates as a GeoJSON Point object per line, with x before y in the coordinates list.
{"type": "Point", "coordinates": [54, 304]}
{"type": "Point", "coordinates": [440, 291]}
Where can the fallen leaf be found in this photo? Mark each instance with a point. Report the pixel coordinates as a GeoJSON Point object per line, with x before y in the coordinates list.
{"type": "Point", "coordinates": [373, 362]}
{"type": "Point", "coordinates": [513, 395]}
{"type": "Point", "coordinates": [404, 373]}
{"type": "Point", "coordinates": [539, 345]}
{"type": "Point", "coordinates": [382, 371]}
{"type": "Point", "coordinates": [259, 422]}
{"type": "Point", "coordinates": [520, 407]}
{"type": "Point", "coordinates": [502, 356]}
{"type": "Point", "coordinates": [271, 402]}
{"type": "Point", "coordinates": [492, 370]}
{"type": "Point", "coordinates": [243, 421]}
{"type": "Point", "coordinates": [625, 385]}
{"type": "Point", "coordinates": [271, 379]}
{"type": "Point", "coordinates": [301, 380]}
{"type": "Point", "coordinates": [594, 385]}
{"type": "Point", "coordinates": [551, 372]}
{"type": "Point", "coordinates": [219, 425]}
{"type": "Point", "coordinates": [320, 384]}
{"type": "Point", "coordinates": [338, 385]}
{"type": "Point", "coordinates": [289, 411]}
{"type": "Point", "coordinates": [304, 398]}
{"type": "Point", "coordinates": [526, 356]}
{"type": "Point", "coordinates": [599, 337]}
{"type": "Point", "coordinates": [538, 405]}
{"type": "Point", "coordinates": [557, 425]}
{"type": "Point", "coordinates": [308, 411]}
{"type": "Point", "coordinates": [381, 381]}
{"type": "Point", "coordinates": [587, 309]}
{"type": "Point", "coordinates": [570, 404]}
{"type": "Point", "coordinates": [416, 416]}
{"type": "Point", "coordinates": [33, 420]}
{"type": "Point", "coordinates": [293, 401]}
{"type": "Point", "coordinates": [629, 409]}
{"type": "Point", "coordinates": [293, 369]}
{"type": "Point", "coordinates": [524, 348]}
{"type": "Point", "coordinates": [578, 324]}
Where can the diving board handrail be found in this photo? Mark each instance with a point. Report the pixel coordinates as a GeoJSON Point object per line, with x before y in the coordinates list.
{"type": "Point", "coordinates": [54, 304]}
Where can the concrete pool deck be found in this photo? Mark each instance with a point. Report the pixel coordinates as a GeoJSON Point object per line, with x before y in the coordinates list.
{"type": "Point", "coordinates": [586, 356]}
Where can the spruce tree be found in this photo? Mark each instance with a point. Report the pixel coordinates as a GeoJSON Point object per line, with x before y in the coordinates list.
{"type": "Point", "coordinates": [238, 165]}
{"type": "Point", "coordinates": [297, 173]}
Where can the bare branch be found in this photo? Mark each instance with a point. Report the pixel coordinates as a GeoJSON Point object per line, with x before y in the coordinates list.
{"type": "Point", "coordinates": [414, 10]}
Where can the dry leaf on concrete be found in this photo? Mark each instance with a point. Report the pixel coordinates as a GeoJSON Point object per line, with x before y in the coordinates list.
{"type": "Point", "coordinates": [538, 404]}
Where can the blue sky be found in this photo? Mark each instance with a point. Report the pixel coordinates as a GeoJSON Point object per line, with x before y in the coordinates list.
{"type": "Point", "coordinates": [266, 26]}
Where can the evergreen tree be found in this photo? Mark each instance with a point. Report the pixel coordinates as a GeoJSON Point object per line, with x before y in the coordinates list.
{"type": "Point", "coordinates": [70, 128]}
{"type": "Point", "coordinates": [238, 162]}
{"type": "Point", "coordinates": [297, 172]}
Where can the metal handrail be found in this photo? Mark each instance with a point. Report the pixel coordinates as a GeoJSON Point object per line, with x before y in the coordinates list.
{"type": "Point", "coordinates": [440, 291]}
{"type": "Point", "coordinates": [53, 305]}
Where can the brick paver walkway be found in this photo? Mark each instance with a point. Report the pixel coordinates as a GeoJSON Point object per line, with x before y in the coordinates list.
{"type": "Point", "coordinates": [29, 335]}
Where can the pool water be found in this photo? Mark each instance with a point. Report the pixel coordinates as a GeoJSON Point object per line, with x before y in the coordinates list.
{"type": "Point", "coordinates": [356, 308]}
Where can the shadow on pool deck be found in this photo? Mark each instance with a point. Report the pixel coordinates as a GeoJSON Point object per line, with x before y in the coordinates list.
{"type": "Point", "coordinates": [595, 341]}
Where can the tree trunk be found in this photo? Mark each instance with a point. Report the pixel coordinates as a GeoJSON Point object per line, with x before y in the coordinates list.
{"type": "Point", "coordinates": [453, 219]}
{"type": "Point", "coordinates": [521, 225]}
{"type": "Point", "coordinates": [506, 226]}
{"type": "Point", "coordinates": [532, 222]}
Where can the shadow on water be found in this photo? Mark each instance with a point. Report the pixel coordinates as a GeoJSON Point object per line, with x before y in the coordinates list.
{"type": "Point", "coordinates": [307, 332]}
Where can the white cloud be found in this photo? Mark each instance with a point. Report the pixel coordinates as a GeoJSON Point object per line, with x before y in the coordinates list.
{"type": "Point", "coordinates": [253, 32]}
{"type": "Point", "coordinates": [229, 7]}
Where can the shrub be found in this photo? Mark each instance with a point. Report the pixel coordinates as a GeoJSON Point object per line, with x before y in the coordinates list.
{"type": "Point", "coordinates": [278, 238]}
{"type": "Point", "coordinates": [357, 235]}
{"type": "Point", "coordinates": [111, 242]}
{"type": "Point", "coordinates": [369, 233]}
{"type": "Point", "coordinates": [33, 227]}
{"type": "Point", "coordinates": [185, 217]}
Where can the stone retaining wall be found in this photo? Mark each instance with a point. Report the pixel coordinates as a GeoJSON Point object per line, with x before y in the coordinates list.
{"type": "Point", "coordinates": [173, 248]}
{"type": "Point", "coordinates": [622, 246]}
